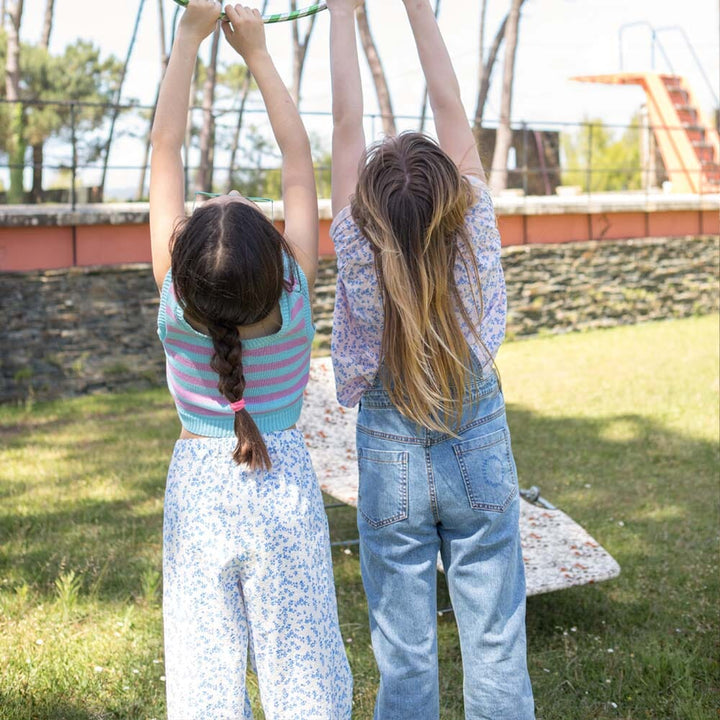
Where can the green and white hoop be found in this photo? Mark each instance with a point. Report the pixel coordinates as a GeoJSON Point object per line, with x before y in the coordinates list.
{"type": "Point", "coordinates": [283, 17]}
{"type": "Point", "coordinates": [280, 17]}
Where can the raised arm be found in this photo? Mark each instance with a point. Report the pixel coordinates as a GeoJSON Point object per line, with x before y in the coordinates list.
{"type": "Point", "coordinates": [167, 186]}
{"type": "Point", "coordinates": [246, 33]}
{"type": "Point", "coordinates": [348, 143]}
{"type": "Point", "coordinates": [451, 122]}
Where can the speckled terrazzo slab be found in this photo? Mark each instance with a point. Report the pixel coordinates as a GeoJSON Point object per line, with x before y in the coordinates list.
{"type": "Point", "coordinates": [558, 553]}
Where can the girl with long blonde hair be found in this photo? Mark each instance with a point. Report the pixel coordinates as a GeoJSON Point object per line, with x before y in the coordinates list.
{"type": "Point", "coordinates": [419, 317]}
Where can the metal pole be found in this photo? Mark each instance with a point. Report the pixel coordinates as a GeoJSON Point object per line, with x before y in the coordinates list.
{"type": "Point", "coordinates": [73, 140]}
{"type": "Point", "coordinates": [589, 158]}
{"type": "Point", "coordinates": [525, 157]}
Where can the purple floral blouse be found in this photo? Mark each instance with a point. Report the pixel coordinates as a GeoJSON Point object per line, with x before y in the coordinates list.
{"type": "Point", "coordinates": [358, 317]}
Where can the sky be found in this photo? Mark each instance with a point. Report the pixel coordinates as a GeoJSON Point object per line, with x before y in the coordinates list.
{"type": "Point", "coordinates": [558, 39]}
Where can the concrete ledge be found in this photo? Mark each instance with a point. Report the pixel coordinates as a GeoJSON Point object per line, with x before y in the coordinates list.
{"type": "Point", "coordinates": [596, 203]}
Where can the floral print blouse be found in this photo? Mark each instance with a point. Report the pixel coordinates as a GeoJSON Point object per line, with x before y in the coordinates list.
{"type": "Point", "coordinates": [358, 316]}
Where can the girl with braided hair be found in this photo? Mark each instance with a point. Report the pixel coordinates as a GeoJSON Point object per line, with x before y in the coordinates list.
{"type": "Point", "coordinates": [246, 553]}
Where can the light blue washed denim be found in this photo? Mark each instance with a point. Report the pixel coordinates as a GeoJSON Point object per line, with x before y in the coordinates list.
{"type": "Point", "coordinates": [421, 492]}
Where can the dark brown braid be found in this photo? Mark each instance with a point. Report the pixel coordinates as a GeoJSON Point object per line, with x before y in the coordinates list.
{"type": "Point", "coordinates": [227, 363]}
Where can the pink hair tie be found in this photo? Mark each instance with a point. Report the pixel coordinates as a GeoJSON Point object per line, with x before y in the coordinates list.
{"type": "Point", "coordinates": [236, 407]}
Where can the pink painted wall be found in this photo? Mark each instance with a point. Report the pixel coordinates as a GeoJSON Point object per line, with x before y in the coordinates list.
{"type": "Point", "coordinates": [57, 246]}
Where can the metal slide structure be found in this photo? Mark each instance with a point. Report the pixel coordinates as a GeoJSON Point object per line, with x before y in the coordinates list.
{"type": "Point", "coordinates": [687, 141]}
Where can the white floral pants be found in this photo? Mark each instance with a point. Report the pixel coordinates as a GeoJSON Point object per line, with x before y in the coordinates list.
{"type": "Point", "coordinates": [246, 564]}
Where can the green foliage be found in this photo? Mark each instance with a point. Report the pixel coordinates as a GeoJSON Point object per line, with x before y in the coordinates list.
{"type": "Point", "coordinates": [67, 586]}
{"type": "Point", "coordinates": [614, 162]}
{"type": "Point", "coordinates": [78, 75]}
{"type": "Point", "coordinates": [252, 176]}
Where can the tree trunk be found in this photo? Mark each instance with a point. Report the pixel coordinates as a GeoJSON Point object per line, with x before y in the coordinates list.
{"type": "Point", "coordinates": [38, 150]}
{"type": "Point", "coordinates": [37, 188]}
{"type": "Point", "coordinates": [16, 140]}
{"type": "Point", "coordinates": [118, 95]}
{"type": "Point", "coordinates": [378, 74]}
{"type": "Point", "coordinates": [247, 84]}
{"type": "Point", "coordinates": [204, 174]}
{"type": "Point", "coordinates": [163, 66]}
{"type": "Point", "coordinates": [503, 138]}
{"type": "Point", "coordinates": [480, 108]}
{"type": "Point", "coordinates": [486, 73]}
{"type": "Point", "coordinates": [423, 109]}
{"type": "Point", "coordinates": [300, 48]}
{"type": "Point", "coordinates": [47, 24]}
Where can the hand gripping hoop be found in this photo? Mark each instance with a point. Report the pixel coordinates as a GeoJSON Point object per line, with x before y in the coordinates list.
{"type": "Point", "coordinates": [280, 17]}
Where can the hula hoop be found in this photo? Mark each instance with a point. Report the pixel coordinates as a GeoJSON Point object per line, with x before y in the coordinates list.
{"type": "Point", "coordinates": [280, 17]}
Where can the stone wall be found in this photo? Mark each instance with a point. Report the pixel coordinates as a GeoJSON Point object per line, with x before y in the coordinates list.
{"type": "Point", "coordinates": [69, 332]}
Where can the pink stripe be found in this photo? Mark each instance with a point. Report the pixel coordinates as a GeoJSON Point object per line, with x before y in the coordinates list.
{"type": "Point", "coordinates": [190, 347]}
{"type": "Point", "coordinates": [193, 397]}
{"type": "Point", "coordinates": [201, 382]}
{"type": "Point", "coordinates": [275, 379]}
{"type": "Point", "coordinates": [269, 397]}
{"type": "Point", "coordinates": [171, 313]}
{"type": "Point", "coordinates": [299, 326]}
{"type": "Point", "coordinates": [282, 347]}
{"type": "Point", "coordinates": [297, 307]}
{"type": "Point", "coordinates": [272, 366]}
{"type": "Point", "coordinates": [191, 364]}
{"type": "Point", "coordinates": [197, 410]}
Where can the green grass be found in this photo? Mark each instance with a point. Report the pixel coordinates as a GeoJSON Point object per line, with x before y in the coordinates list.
{"type": "Point", "coordinates": [619, 428]}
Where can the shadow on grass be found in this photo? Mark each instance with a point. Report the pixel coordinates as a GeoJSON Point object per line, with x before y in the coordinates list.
{"type": "Point", "coordinates": [44, 709]}
{"type": "Point", "coordinates": [642, 642]}
{"type": "Point", "coordinates": [94, 505]}
{"type": "Point", "coordinates": [644, 492]}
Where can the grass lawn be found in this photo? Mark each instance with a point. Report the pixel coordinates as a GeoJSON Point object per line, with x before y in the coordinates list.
{"type": "Point", "coordinates": [619, 428]}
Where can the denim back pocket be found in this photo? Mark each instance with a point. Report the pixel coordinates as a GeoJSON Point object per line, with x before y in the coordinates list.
{"type": "Point", "coordinates": [488, 470]}
{"type": "Point", "coordinates": [383, 492]}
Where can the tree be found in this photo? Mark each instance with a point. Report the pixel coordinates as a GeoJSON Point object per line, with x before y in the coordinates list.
{"type": "Point", "coordinates": [486, 67]}
{"type": "Point", "coordinates": [16, 141]}
{"type": "Point", "coordinates": [300, 48]}
{"type": "Point", "coordinates": [245, 84]}
{"type": "Point", "coordinates": [38, 147]}
{"type": "Point", "coordinates": [204, 174]}
{"type": "Point", "coordinates": [57, 94]}
{"type": "Point", "coordinates": [47, 24]}
{"type": "Point", "coordinates": [598, 162]}
{"type": "Point", "coordinates": [118, 95]}
{"type": "Point", "coordinates": [378, 73]}
{"type": "Point", "coordinates": [423, 107]}
{"type": "Point", "coordinates": [245, 87]}
{"type": "Point", "coordinates": [164, 57]}
{"type": "Point", "coordinates": [503, 137]}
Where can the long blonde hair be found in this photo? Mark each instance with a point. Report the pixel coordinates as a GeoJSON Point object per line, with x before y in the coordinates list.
{"type": "Point", "coordinates": [410, 203]}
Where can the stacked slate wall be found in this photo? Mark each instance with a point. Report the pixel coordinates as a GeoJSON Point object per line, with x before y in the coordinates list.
{"type": "Point", "coordinates": [81, 330]}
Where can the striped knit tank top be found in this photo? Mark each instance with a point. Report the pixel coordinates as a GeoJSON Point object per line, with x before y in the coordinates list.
{"type": "Point", "coordinates": [276, 367]}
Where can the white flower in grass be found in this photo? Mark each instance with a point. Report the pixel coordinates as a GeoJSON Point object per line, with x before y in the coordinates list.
{"type": "Point", "coordinates": [98, 669]}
